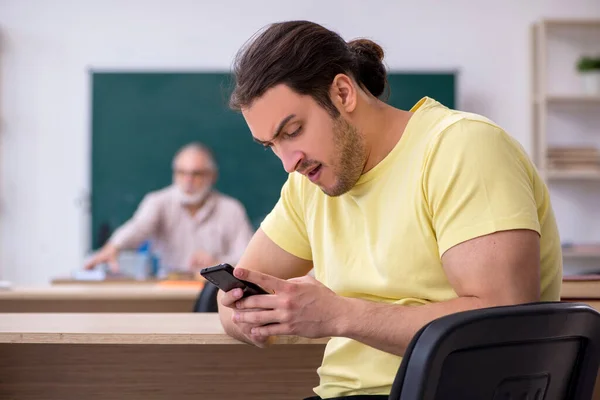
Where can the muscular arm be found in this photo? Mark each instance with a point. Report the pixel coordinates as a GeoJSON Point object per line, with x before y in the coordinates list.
{"type": "Point", "coordinates": [263, 255]}
{"type": "Point", "coordinates": [492, 270]}
{"type": "Point", "coordinates": [476, 182]}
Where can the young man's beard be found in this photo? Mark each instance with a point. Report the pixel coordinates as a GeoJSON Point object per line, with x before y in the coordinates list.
{"type": "Point", "coordinates": [350, 145]}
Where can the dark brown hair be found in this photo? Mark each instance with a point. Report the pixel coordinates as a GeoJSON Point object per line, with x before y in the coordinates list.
{"type": "Point", "coordinates": [306, 57]}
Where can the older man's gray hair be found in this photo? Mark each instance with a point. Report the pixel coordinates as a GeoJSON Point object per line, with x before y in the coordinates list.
{"type": "Point", "coordinates": [200, 148]}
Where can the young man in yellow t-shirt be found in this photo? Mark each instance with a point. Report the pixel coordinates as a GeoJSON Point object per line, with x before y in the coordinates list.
{"type": "Point", "coordinates": [405, 216]}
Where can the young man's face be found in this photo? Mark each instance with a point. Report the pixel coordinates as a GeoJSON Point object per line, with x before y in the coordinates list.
{"type": "Point", "coordinates": [329, 151]}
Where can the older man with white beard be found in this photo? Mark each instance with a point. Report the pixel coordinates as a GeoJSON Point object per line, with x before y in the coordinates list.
{"type": "Point", "coordinates": [190, 224]}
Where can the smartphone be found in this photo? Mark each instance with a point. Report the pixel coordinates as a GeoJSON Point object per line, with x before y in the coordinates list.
{"type": "Point", "coordinates": [222, 277]}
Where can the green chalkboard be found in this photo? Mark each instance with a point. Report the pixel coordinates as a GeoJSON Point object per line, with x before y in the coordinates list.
{"type": "Point", "coordinates": [140, 119]}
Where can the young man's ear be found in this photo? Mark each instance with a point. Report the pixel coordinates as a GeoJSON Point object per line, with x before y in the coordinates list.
{"type": "Point", "coordinates": [343, 93]}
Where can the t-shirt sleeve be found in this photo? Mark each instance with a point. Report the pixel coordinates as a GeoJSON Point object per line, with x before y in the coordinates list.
{"type": "Point", "coordinates": [477, 181]}
{"type": "Point", "coordinates": [285, 224]}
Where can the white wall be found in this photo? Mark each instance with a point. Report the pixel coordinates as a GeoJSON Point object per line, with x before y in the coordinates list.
{"type": "Point", "coordinates": [49, 46]}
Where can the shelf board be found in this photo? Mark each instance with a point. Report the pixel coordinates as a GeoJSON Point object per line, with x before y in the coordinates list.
{"type": "Point", "coordinates": [571, 99]}
{"type": "Point", "coordinates": [580, 255]}
{"type": "Point", "coordinates": [573, 175]}
{"type": "Point", "coordinates": [592, 23]}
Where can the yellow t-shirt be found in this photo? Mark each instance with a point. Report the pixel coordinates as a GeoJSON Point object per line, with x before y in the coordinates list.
{"type": "Point", "coordinates": [451, 177]}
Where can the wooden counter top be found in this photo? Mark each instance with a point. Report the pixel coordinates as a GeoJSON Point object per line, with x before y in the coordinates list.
{"type": "Point", "coordinates": [131, 356]}
{"type": "Point", "coordinates": [125, 298]}
{"type": "Point", "coordinates": [120, 291]}
{"type": "Point", "coordinates": [121, 328]}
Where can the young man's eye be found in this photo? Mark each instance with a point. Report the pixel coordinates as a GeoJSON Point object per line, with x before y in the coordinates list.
{"type": "Point", "coordinates": [295, 133]}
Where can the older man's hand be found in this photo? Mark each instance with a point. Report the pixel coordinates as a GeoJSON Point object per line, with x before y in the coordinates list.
{"type": "Point", "coordinates": [201, 259]}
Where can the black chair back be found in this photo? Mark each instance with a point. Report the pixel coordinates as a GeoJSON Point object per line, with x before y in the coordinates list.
{"type": "Point", "coordinates": [207, 299]}
{"type": "Point", "coordinates": [538, 351]}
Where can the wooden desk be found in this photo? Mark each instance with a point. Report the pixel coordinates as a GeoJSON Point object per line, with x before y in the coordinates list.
{"type": "Point", "coordinates": [587, 292]}
{"type": "Point", "coordinates": [584, 291]}
{"type": "Point", "coordinates": [126, 281]}
{"type": "Point", "coordinates": [71, 281]}
{"type": "Point", "coordinates": [105, 298]}
{"type": "Point", "coordinates": [147, 356]}
{"type": "Point", "coordinates": [116, 280]}
{"type": "Point", "coordinates": [154, 356]}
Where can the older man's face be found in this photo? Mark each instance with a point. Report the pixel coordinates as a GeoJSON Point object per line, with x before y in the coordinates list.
{"type": "Point", "coordinates": [193, 172]}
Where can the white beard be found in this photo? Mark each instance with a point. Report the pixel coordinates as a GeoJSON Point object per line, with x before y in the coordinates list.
{"type": "Point", "coordinates": [190, 199]}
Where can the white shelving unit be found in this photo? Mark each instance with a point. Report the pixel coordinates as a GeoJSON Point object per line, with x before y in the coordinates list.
{"type": "Point", "coordinates": [566, 125]}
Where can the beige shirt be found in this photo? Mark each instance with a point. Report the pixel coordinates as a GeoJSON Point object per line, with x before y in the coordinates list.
{"type": "Point", "coordinates": [220, 227]}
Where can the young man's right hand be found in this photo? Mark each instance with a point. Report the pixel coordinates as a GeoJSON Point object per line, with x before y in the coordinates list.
{"type": "Point", "coordinates": [108, 254]}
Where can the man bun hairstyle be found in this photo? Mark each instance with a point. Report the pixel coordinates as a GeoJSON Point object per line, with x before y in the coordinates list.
{"type": "Point", "coordinates": [371, 72]}
{"type": "Point", "coordinates": [306, 57]}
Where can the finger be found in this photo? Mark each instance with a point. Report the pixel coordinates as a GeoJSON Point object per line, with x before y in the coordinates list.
{"type": "Point", "coordinates": [261, 341]}
{"type": "Point", "coordinates": [267, 282]}
{"type": "Point", "coordinates": [262, 317]}
{"type": "Point", "coordinates": [270, 330]}
{"type": "Point", "coordinates": [265, 301]}
{"type": "Point", "coordinates": [89, 264]}
{"type": "Point", "coordinates": [244, 328]}
{"type": "Point", "coordinates": [249, 309]}
{"type": "Point", "coordinates": [229, 298]}
{"type": "Point", "coordinates": [302, 279]}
